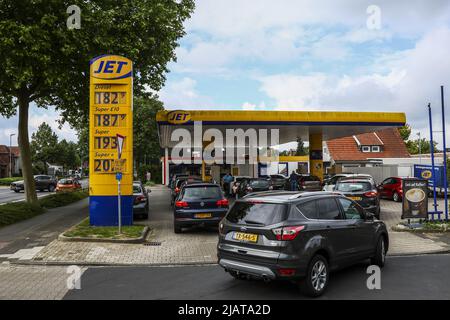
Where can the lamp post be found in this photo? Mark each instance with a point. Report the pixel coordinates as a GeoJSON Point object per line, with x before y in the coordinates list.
{"type": "Point", "coordinates": [10, 155]}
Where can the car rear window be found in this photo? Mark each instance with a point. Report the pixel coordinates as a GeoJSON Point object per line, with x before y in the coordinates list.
{"type": "Point", "coordinates": [202, 192]}
{"type": "Point", "coordinates": [257, 213]}
{"type": "Point", "coordinates": [259, 183]}
{"type": "Point", "coordinates": [353, 186]}
{"type": "Point", "coordinates": [137, 189]}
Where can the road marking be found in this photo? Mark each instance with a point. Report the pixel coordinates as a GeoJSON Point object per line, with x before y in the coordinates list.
{"type": "Point", "coordinates": [23, 254]}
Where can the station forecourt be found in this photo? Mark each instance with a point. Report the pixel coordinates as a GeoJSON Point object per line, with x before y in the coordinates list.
{"type": "Point", "coordinates": [311, 126]}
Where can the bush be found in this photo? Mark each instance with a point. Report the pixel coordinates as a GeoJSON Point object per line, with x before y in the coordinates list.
{"type": "Point", "coordinates": [17, 211]}
{"type": "Point", "coordinates": [8, 181]}
{"type": "Point", "coordinates": [14, 212]}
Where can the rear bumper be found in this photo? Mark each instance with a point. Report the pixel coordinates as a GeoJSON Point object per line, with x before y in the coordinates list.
{"type": "Point", "coordinates": [16, 187]}
{"type": "Point", "coordinates": [248, 269]}
{"type": "Point", "coordinates": [187, 217]}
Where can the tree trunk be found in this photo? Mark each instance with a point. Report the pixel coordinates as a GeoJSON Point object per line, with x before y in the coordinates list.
{"type": "Point", "coordinates": [25, 152]}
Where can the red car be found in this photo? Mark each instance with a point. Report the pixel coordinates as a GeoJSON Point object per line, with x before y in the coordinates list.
{"type": "Point", "coordinates": [391, 188]}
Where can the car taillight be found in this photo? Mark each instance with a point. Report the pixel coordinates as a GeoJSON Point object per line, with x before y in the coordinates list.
{"type": "Point", "coordinates": [177, 190]}
{"type": "Point", "coordinates": [181, 204]}
{"type": "Point", "coordinates": [140, 199]}
{"type": "Point", "coordinates": [222, 203]}
{"type": "Point", "coordinates": [287, 233]}
{"type": "Point", "coordinates": [371, 194]}
{"type": "Point", "coordinates": [286, 272]}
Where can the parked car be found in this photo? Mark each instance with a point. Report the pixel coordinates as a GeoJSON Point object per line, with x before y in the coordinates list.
{"type": "Point", "coordinates": [42, 182]}
{"type": "Point", "coordinates": [68, 185]}
{"type": "Point", "coordinates": [199, 204]}
{"type": "Point", "coordinates": [178, 184]}
{"type": "Point", "coordinates": [307, 182]}
{"type": "Point", "coordinates": [299, 237]}
{"type": "Point", "coordinates": [278, 181]}
{"type": "Point", "coordinates": [330, 184]}
{"type": "Point", "coordinates": [391, 188]}
{"type": "Point", "coordinates": [175, 177]}
{"type": "Point", "coordinates": [140, 201]}
{"type": "Point", "coordinates": [361, 190]}
{"type": "Point", "coordinates": [254, 185]}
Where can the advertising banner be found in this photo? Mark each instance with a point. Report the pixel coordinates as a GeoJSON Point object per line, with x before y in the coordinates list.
{"type": "Point", "coordinates": [415, 199]}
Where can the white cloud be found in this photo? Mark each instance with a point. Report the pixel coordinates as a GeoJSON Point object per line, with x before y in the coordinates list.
{"type": "Point", "coordinates": [182, 94]}
{"type": "Point", "coordinates": [414, 80]}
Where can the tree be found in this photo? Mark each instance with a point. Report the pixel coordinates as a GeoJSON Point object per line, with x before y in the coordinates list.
{"type": "Point", "coordinates": [67, 155]}
{"type": "Point", "coordinates": [413, 146]}
{"type": "Point", "coordinates": [45, 63]}
{"type": "Point", "coordinates": [301, 149]}
{"type": "Point", "coordinates": [44, 146]}
{"type": "Point", "coordinates": [405, 132]}
{"type": "Point", "coordinates": [146, 147]}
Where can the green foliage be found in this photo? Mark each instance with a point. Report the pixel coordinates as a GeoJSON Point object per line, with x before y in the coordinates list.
{"type": "Point", "coordinates": [405, 132]}
{"type": "Point", "coordinates": [8, 181]}
{"type": "Point", "coordinates": [14, 212]}
{"type": "Point", "coordinates": [46, 63]}
{"type": "Point", "coordinates": [422, 145]}
{"type": "Point", "coordinates": [301, 149]}
{"type": "Point", "coordinates": [85, 230]}
{"type": "Point", "coordinates": [45, 148]}
{"type": "Point", "coordinates": [146, 147]}
{"type": "Point", "coordinates": [62, 199]}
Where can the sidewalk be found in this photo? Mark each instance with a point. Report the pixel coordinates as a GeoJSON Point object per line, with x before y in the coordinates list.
{"type": "Point", "coordinates": [196, 246]}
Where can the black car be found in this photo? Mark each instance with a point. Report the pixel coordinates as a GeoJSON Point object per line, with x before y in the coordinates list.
{"type": "Point", "coordinates": [199, 203]}
{"type": "Point", "coordinates": [179, 183]}
{"type": "Point", "coordinates": [361, 190]}
{"type": "Point", "coordinates": [254, 185]}
{"type": "Point", "coordinates": [278, 181]}
{"type": "Point", "coordinates": [140, 201]}
{"type": "Point", "coordinates": [42, 182]}
{"type": "Point", "coordinates": [299, 237]}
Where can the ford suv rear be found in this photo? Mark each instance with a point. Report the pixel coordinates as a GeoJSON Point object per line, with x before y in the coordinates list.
{"type": "Point", "coordinates": [298, 237]}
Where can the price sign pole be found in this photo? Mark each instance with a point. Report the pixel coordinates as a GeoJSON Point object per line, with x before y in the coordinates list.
{"type": "Point", "coordinates": [111, 141]}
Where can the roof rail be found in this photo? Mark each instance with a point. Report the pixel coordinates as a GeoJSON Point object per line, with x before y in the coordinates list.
{"type": "Point", "coordinates": [312, 193]}
{"type": "Point", "coordinates": [270, 193]}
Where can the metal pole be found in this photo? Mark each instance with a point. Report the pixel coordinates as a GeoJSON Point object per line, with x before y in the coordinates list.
{"type": "Point", "coordinates": [119, 207]}
{"type": "Point", "coordinates": [445, 153]}
{"type": "Point", "coordinates": [432, 161]}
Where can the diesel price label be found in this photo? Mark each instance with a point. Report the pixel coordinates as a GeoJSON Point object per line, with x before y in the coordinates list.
{"type": "Point", "coordinates": [225, 310]}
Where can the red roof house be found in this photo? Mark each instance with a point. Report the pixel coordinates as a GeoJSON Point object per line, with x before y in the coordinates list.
{"type": "Point", "coordinates": [361, 148]}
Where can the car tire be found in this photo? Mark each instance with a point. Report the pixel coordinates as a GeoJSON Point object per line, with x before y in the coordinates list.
{"type": "Point", "coordinates": [396, 197]}
{"type": "Point", "coordinates": [51, 188]}
{"type": "Point", "coordinates": [317, 276]}
{"type": "Point", "coordinates": [176, 228]}
{"type": "Point", "coordinates": [380, 253]}
{"type": "Point", "coordinates": [16, 191]}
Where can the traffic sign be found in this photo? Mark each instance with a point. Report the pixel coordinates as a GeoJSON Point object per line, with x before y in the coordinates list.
{"type": "Point", "coordinates": [118, 176]}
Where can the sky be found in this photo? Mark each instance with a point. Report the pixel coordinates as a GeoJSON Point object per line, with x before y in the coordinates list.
{"type": "Point", "coordinates": [376, 55]}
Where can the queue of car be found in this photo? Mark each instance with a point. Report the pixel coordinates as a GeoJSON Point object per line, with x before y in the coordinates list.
{"type": "Point", "coordinates": [270, 233]}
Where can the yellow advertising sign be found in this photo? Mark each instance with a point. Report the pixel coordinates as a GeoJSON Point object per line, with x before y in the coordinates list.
{"type": "Point", "coordinates": [111, 115]}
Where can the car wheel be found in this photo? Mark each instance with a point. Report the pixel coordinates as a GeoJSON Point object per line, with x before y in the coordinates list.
{"type": "Point", "coordinates": [317, 277]}
{"type": "Point", "coordinates": [176, 228]}
{"type": "Point", "coordinates": [396, 197]}
{"type": "Point", "coordinates": [16, 191]}
{"type": "Point", "coordinates": [380, 253]}
{"type": "Point", "coordinates": [51, 188]}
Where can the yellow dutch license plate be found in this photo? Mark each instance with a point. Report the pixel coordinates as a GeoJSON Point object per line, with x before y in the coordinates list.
{"type": "Point", "coordinates": [248, 237]}
{"type": "Point", "coordinates": [355, 198]}
{"type": "Point", "coordinates": [203, 215]}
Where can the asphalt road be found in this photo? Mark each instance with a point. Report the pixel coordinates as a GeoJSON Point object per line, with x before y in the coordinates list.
{"type": "Point", "coordinates": [7, 195]}
{"type": "Point", "coordinates": [414, 277]}
{"type": "Point", "coordinates": [42, 229]}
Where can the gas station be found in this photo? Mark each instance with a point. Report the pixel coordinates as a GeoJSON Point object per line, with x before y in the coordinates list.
{"type": "Point", "coordinates": [311, 126]}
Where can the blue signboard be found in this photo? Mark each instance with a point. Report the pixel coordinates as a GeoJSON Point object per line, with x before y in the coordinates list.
{"type": "Point", "coordinates": [424, 171]}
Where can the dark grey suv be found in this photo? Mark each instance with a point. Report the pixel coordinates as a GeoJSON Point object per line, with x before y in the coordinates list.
{"type": "Point", "coordinates": [299, 237]}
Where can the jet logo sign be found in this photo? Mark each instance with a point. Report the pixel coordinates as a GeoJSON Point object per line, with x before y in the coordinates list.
{"type": "Point", "coordinates": [178, 117]}
{"type": "Point", "coordinates": [111, 67]}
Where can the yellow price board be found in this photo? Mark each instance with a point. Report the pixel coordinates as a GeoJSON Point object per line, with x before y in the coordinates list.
{"type": "Point", "coordinates": [110, 116]}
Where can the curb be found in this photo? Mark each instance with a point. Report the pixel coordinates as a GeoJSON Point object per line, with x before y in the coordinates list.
{"type": "Point", "coordinates": [141, 239]}
{"type": "Point", "coordinates": [101, 264]}
{"type": "Point", "coordinates": [443, 251]}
